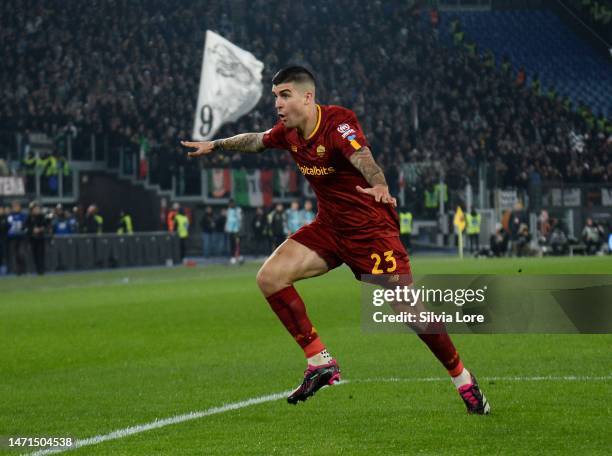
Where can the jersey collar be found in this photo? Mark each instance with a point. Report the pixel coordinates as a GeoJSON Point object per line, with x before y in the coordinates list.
{"type": "Point", "coordinates": [316, 128]}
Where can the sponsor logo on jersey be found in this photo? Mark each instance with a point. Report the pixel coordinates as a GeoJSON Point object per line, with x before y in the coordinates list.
{"type": "Point", "coordinates": [316, 170]}
{"type": "Point", "coordinates": [345, 130]}
{"type": "Point", "coordinates": [321, 150]}
{"type": "Point", "coordinates": [342, 128]}
{"type": "Point", "coordinates": [346, 133]}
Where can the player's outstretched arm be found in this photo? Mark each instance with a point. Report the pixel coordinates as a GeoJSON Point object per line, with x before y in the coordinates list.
{"type": "Point", "coordinates": [244, 142]}
{"type": "Point", "coordinates": [364, 162]}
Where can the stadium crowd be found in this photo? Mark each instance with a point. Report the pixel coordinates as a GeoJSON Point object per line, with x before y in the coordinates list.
{"type": "Point", "coordinates": [228, 233]}
{"type": "Point", "coordinates": [25, 231]}
{"type": "Point", "coordinates": [130, 72]}
{"type": "Point", "coordinates": [512, 237]}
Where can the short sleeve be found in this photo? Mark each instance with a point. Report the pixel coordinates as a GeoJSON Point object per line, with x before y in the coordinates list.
{"type": "Point", "coordinates": [347, 134]}
{"type": "Point", "coordinates": [274, 138]}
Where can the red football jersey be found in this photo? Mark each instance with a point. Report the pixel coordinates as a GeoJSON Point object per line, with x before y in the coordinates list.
{"type": "Point", "coordinates": [323, 158]}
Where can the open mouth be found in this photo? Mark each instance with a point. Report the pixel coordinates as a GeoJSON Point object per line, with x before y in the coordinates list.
{"type": "Point", "coordinates": [282, 117]}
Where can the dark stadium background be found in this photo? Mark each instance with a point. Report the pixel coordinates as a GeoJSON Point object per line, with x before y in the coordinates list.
{"type": "Point", "coordinates": [472, 103]}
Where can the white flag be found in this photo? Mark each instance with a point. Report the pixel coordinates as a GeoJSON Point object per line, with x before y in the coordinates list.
{"type": "Point", "coordinates": [230, 85]}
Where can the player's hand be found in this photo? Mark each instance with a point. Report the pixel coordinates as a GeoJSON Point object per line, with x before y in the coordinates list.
{"type": "Point", "coordinates": [380, 193]}
{"type": "Point", "coordinates": [202, 147]}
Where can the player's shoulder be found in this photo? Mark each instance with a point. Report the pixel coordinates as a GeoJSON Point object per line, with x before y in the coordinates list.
{"type": "Point", "coordinates": [277, 128]}
{"type": "Point", "coordinates": [276, 136]}
{"type": "Point", "coordinates": [337, 112]}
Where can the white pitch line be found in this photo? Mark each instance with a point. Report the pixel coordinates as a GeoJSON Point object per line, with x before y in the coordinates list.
{"type": "Point", "coordinates": [121, 433]}
{"type": "Point", "coordinates": [552, 378]}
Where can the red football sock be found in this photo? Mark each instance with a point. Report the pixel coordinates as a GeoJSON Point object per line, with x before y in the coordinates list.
{"type": "Point", "coordinates": [291, 311]}
{"type": "Point", "coordinates": [442, 347]}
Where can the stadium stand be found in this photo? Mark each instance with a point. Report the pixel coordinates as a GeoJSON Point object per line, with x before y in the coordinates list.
{"type": "Point", "coordinates": [540, 42]}
{"type": "Point", "coordinates": [129, 77]}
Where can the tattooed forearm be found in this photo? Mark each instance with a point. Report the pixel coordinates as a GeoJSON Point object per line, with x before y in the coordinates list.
{"type": "Point", "coordinates": [245, 142]}
{"type": "Point", "coordinates": [364, 162]}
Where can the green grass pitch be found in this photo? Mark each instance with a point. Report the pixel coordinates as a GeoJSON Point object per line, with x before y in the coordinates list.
{"type": "Point", "coordinates": [85, 354]}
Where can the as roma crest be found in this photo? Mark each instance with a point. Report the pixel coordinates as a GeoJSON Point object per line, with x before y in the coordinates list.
{"type": "Point", "coordinates": [321, 150]}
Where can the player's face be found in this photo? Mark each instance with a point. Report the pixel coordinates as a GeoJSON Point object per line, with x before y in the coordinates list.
{"type": "Point", "coordinates": [291, 103]}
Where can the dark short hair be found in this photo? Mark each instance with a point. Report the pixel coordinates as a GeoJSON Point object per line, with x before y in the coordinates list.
{"type": "Point", "coordinates": [296, 74]}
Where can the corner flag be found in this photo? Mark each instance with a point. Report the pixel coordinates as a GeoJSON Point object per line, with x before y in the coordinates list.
{"type": "Point", "coordinates": [459, 222]}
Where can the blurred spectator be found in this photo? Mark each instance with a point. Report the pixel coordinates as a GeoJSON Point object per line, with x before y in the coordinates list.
{"type": "Point", "coordinates": [233, 225]}
{"type": "Point", "coordinates": [38, 228]}
{"type": "Point", "coordinates": [4, 212]}
{"type": "Point", "coordinates": [74, 218]}
{"type": "Point", "coordinates": [523, 240]}
{"type": "Point", "coordinates": [473, 220]}
{"type": "Point", "coordinates": [294, 217]}
{"type": "Point", "coordinates": [125, 225]}
{"type": "Point", "coordinates": [207, 224]}
{"type": "Point", "coordinates": [277, 220]}
{"type": "Point", "coordinates": [405, 226]}
{"type": "Point", "coordinates": [61, 222]}
{"type": "Point", "coordinates": [94, 223]}
{"type": "Point", "coordinates": [16, 234]}
{"type": "Point", "coordinates": [518, 217]}
{"type": "Point", "coordinates": [559, 242]}
{"type": "Point", "coordinates": [520, 77]}
{"type": "Point", "coordinates": [181, 224]}
{"type": "Point", "coordinates": [171, 216]}
{"type": "Point", "coordinates": [543, 227]}
{"type": "Point", "coordinates": [220, 240]}
{"type": "Point", "coordinates": [592, 236]}
{"type": "Point", "coordinates": [308, 214]}
{"type": "Point", "coordinates": [259, 228]}
{"type": "Point", "coordinates": [499, 241]}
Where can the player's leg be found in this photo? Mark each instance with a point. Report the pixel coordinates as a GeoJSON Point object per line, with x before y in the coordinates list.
{"type": "Point", "coordinates": [21, 248]}
{"type": "Point", "coordinates": [290, 262]}
{"type": "Point", "coordinates": [435, 336]}
{"type": "Point", "coordinates": [384, 259]}
{"type": "Point", "coordinates": [232, 245]}
{"type": "Point", "coordinates": [234, 248]}
{"type": "Point", "coordinates": [388, 256]}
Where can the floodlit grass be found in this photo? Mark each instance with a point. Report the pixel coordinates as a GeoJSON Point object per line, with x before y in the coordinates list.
{"type": "Point", "coordinates": [85, 354]}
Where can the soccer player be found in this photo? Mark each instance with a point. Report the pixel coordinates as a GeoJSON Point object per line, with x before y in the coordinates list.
{"type": "Point", "coordinates": [356, 224]}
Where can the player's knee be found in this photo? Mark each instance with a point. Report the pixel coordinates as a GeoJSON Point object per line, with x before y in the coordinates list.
{"type": "Point", "coordinates": [265, 280]}
{"type": "Point", "coordinates": [270, 280]}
